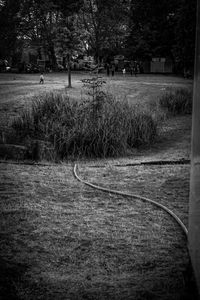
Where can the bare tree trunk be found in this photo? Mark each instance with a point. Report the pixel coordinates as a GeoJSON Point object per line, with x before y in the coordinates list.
{"type": "Point", "coordinates": [53, 57]}
{"type": "Point", "coordinates": [69, 70]}
{"type": "Point", "coordinates": [194, 206]}
{"type": "Point", "coordinates": [64, 63]}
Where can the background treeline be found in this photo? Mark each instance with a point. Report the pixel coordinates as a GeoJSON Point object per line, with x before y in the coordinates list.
{"type": "Point", "coordinates": [138, 29]}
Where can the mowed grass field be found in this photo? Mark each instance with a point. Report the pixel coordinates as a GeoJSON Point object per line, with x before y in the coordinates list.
{"type": "Point", "coordinates": [63, 240]}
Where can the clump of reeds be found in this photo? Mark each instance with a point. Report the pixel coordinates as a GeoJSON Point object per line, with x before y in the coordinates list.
{"type": "Point", "coordinates": [99, 126]}
{"type": "Point", "coordinates": [177, 101]}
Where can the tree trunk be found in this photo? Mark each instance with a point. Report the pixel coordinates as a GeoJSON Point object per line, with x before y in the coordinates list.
{"type": "Point", "coordinates": [53, 57]}
{"type": "Point", "coordinates": [64, 63]}
{"type": "Point", "coordinates": [69, 70]}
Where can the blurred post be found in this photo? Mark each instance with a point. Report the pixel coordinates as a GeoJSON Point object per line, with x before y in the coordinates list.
{"type": "Point", "coordinates": [69, 70]}
{"type": "Point", "coordinates": [194, 205]}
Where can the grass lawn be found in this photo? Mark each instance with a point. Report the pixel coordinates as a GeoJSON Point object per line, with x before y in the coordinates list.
{"type": "Point", "coordinates": [63, 240]}
{"type": "Point", "coordinates": [17, 90]}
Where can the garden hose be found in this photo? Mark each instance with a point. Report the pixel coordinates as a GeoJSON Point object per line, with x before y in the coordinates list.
{"type": "Point", "coordinates": [171, 213]}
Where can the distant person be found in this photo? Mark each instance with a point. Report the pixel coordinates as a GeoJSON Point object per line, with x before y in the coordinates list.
{"type": "Point", "coordinates": [108, 69]}
{"type": "Point", "coordinates": [131, 67]}
{"type": "Point", "coordinates": [131, 70]}
{"type": "Point", "coordinates": [138, 68]}
{"type": "Point", "coordinates": [135, 70]}
{"type": "Point", "coordinates": [124, 71]}
{"type": "Point", "coordinates": [41, 78]}
{"type": "Point", "coordinates": [187, 74]}
{"type": "Point", "coordinates": [113, 70]}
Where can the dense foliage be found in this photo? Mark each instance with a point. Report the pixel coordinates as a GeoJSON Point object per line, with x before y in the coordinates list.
{"type": "Point", "coordinates": [138, 29]}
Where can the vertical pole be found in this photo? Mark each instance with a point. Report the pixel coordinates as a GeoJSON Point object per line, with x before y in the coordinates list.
{"type": "Point", "coordinates": [194, 205]}
{"type": "Point", "coordinates": [69, 70]}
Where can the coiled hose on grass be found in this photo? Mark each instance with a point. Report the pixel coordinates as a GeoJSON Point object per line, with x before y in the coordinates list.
{"type": "Point", "coordinates": [173, 215]}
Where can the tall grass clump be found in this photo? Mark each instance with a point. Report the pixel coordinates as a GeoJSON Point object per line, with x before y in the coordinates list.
{"type": "Point", "coordinates": [177, 101]}
{"type": "Point", "coordinates": [49, 114]}
{"type": "Point", "coordinates": [111, 130]}
{"type": "Point", "coordinates": [99, 126]}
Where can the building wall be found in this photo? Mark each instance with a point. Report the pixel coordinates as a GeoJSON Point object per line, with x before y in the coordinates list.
{"type": "Point", "coordinates": [161, 65]}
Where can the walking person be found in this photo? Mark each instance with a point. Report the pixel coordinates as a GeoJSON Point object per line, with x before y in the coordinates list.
{"type": "Point", "coordinates": [131, 67]}
{"type": "Point", "coordinates": [124, 72]}
{"type": "Point", "coordinates": [113, 70]}
{"type": "Point", "coordinates": [131, 70]}
{"type": "Point", "coordinates": [135, 70]}
{"type": "Point", "coordinates": [108, 69]}
{"type": "Point", "coordinates": [138, 68]}
{"type": "Point", "coordinates": [41, 78]}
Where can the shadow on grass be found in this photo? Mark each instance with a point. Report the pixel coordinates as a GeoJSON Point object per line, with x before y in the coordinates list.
{"type": "Point", "coordinates": [10, 274]}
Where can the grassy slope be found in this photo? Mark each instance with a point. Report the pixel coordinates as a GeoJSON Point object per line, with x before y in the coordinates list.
{"type": "Point", "coordinates": [62, 240]}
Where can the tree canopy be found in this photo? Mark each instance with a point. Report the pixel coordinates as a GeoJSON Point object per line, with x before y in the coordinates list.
{"type": "Point", "coordinates": [139, 29]}
{"type": "Point", "coordinates": [105, 24]}
{"type": "Point", "coordinates": [162, 29]}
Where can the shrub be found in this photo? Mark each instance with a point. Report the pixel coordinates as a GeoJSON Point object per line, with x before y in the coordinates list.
{"type": "Point", "coordinates": [97, 127]}
{"type": "Point", "coordinates": [94, 86]}
{"type": "Point", "coordinates": [177, 101]}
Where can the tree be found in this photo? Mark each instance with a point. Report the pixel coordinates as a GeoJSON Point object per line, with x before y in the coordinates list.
{"type": "Point", "coordinates": [184, 46]}
{"type": "Point", "coordinates": [151, 28]}
{"type": "Point", "coordinates": [105, 23]}
{"type": "Point", "coordinates": [9, 24]}
{"type": "Point", "coordinates": [39, 19]}
{"type": "Point", "coordinates": [68, 41]}
{"type": "Point", "coordinates": [165, 28]}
